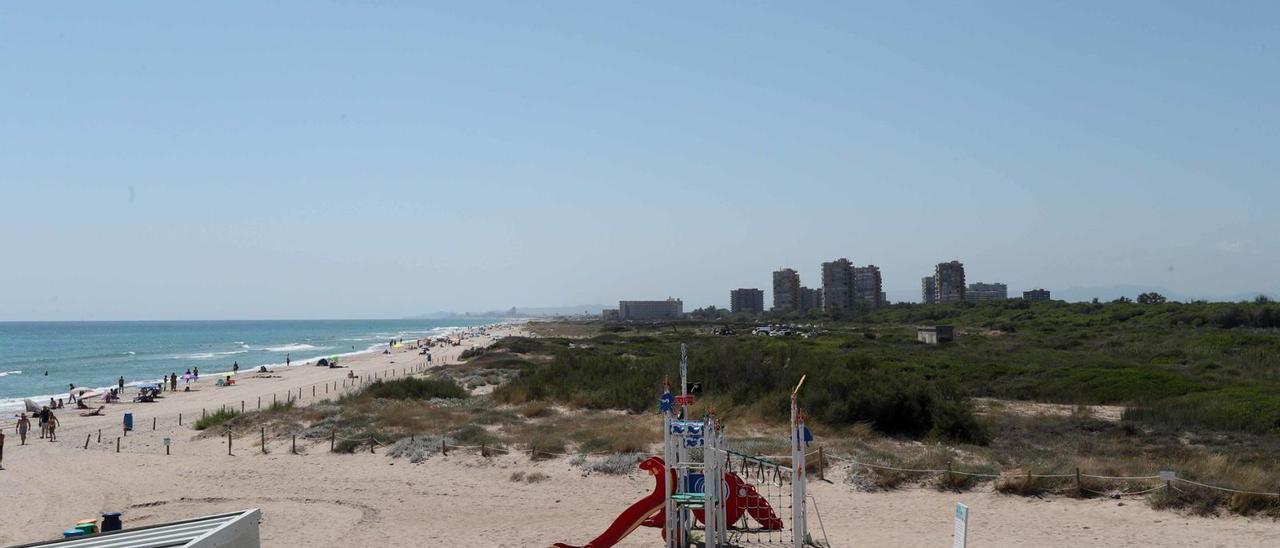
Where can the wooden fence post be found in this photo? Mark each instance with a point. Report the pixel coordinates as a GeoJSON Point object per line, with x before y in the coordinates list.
{"type": "Point", "coordinates": [333, 437]}
{"type": "Point", "coordinates": [259, 402]}
{"type": "Point", "coordinates": [179, 419]}
{"type": "Point", "coordinates": [294, 444]}
{"type": "Point", "coordinates": [820, 464]}
{"type": "Point", "coordinates": [99, 435]}
{"type": "Point", "coordinates": [264, 440]}
{"type": "Point", "coordinates": [153, 423]}
{"type": "Point", "coordinates": [443, 449]}
{"type": "Point", "coordinates": [86, 441]}
{"type": "Point", "coordinates": [1078, 491]}
{"type": "Point", "coordinates": [242, 406]}
{"type": "Point", "coordinates": [117, 445]}
{"type": "Point", "coordinates": [228, 441]}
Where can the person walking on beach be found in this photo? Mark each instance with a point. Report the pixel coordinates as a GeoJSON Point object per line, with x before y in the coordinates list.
{"type": "Point", "coordinates": [173, 382]}
{"type": "Point", "coordinates": [195, 373]}
{"type": "Point", "coordinates": [121, 383]}
{"type": "Point", "coordinates": [44, 421]}
{"type": "Point", "coordinates": [53, 427]}
{"type": "Point", "coordinates": [286, 359]}
{"type": "Point", "coordinates": [24, 424]}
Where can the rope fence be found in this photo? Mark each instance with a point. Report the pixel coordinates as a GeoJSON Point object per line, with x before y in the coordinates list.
{"type": "Point", "coordinates": [1169, 483]}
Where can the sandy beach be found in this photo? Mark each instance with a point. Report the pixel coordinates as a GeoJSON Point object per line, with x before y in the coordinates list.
{"type": "Point", "coordinates": [321, 499]}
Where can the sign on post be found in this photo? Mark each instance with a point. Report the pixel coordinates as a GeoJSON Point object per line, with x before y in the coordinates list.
{"type": "Point", "coordinates": [962, 526]}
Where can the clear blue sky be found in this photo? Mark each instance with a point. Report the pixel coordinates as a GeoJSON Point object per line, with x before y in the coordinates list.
{"type": "Point", "coordinates": [380, 159]}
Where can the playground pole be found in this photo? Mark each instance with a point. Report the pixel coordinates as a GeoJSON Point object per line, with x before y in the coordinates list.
{"type": "Point", "coordinates": [798, 524]}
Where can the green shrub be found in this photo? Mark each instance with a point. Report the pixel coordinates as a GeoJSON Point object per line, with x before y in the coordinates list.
{"type": "Point", "coordinates": [412, 388]}
{"type": "Point", "coordinates": [217, 418]}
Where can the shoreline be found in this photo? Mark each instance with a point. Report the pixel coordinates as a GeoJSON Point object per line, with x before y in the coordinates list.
{"type": "Point", "coordinates": [15, 404]}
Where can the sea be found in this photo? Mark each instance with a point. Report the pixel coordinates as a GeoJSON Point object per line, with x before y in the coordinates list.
{"type": "Point", "coordinates": [39, 360]}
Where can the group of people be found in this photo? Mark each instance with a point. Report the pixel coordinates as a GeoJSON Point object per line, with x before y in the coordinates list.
{"type": "Point", "coordinates": [48, 425]}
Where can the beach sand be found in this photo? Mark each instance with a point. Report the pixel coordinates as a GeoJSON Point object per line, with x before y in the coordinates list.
{"type": "Point", "coordinates": [320, 499]}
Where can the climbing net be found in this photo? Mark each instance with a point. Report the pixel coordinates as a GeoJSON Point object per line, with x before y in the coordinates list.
{"type": "Point", "coordinates": [762, 492]}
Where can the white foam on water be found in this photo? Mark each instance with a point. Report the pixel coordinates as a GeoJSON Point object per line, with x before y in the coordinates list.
{"type": "Point", "coordinates": [7, 373]}
{"type": "Point", "coordinates": [292, 347]}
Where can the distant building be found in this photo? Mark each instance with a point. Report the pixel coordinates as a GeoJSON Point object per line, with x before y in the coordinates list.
{"type": "Point", "coordinates": [1037, 296]}
{"type": "Point", "coordinates": [884, 299]}
{"type": "Point", "coordinates": [669, 309]}
{"type": "Point", "coordinates": [610, 315]}
{"type": "Point", "coordinates": [948, 283]}
{"type": "Point", "coordinates": [786, 290]}
{"type": "Point", "coordinates": [837, 286]}
{"type": "Point", "coordinates": [867, 286]}
{"type": "Point", "coordinates": [749, 301]}
{"type": "Point", "coordinates": [928, 295]}
{"type": "Point", "coordinates": [936, 334]}
{"type": "Point", "coordinates": [984, 293]}
{"type": "Point", "coordinates": [810, 299]}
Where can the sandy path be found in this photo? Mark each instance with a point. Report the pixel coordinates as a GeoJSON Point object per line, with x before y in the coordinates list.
{"type": "Point", "coordinates": [320, 499]}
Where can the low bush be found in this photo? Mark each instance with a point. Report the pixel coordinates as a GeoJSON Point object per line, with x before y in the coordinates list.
{"type": "Point", "coordinates": [217, 418]}
{"type": "Point", "coordinates": [412, 388]}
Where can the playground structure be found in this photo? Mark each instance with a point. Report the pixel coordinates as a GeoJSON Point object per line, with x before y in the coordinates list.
{"type": "Point", "coordinates": [740, 509]}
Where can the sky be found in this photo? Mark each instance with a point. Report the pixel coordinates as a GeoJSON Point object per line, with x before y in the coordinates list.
{"type": "Point", "coordinates": [353, 159]}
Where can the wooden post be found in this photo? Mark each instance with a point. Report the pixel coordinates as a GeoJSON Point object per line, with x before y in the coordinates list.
{"type": "Point", "coordinates": [1078, 491]}
{"type": "Point", "coordinates": [117, 445]}
{"type": "Point", "coordinates": [228, 441]}
{"type": "Point", "coordinates": [259, 402]}
{"type": "Point", "coordinates": [166, 449]}
{"type": "Point", "coordinates": [86, 441]}
{"type": "Point", "coordinates": [125, 430]}
{"type": "Point", "coordinates": [483, 453]}
{"type": "Point", "coordinates": [370, 445]}
{"type": "Point", "coordinates": [273, 400]}
{"type": "Point", "coordinates": [313, 391]}
{"type": "Point", "coordinates": [153, 423]}
{"type": "Point", "coordinates": [820, 476]}
{"type": "Point", "coordinates": [326, 388]}
{"type": "Point", "coordinates": [202, 412]}
{"type": "Point", "coordinates": [179, 419]}
{"type": "Point", "coordinates": [333, 438]}
{"type": "Point", "coordinates": [443, 449]}
{"type": "Point", "coordinates": [242, 406]}
{"type": "Point", "coordinates": [294, 444]}
{"type": "Point", "coordinates": [264, 440]}
{"type": "Point", "coordinates": [99, 435]}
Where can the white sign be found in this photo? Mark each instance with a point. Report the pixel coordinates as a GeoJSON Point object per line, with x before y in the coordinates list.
{"type": "Point", "coordinates": [962, 526]}
{"type": "Point", "coordinates": [1166, 475]}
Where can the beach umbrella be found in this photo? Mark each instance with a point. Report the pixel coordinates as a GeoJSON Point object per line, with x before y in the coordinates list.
{"type": "Point", "coordinates": [31, 406]}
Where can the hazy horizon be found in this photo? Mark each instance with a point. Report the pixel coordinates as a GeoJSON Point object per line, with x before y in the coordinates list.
{"type": "Point", "coordinates": [383, 160]}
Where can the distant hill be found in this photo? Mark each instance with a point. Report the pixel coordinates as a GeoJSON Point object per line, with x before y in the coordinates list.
{"type": "Point", "coordinates": [519, 312]}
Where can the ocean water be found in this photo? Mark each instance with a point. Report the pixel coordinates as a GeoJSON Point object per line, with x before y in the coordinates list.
{"type": "Point", "coordinates": [96, 354]}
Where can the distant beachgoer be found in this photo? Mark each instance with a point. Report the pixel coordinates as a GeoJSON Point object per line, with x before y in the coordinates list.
{"type": "Point", "coordinates": [59, 403]}
{"type": "Point", "coordinates": [121, 384]}
{"type": "Point", "coordinates": [286, 360]}
{"type": "Point", "coordinates": [1, 450]}
{"type": "Point", "coordinates": [173, 381]}
{"type": "Point", "coordinates": [53, 427]}
{"type": "Point", "coordinates": [24, 424]}
{"type": "Point", "coordinates": [95, 413]}
{"type": "Point", "coordinates": [195, 373]}
{"type": "Point", "coordinates": [81, 405]}
{"type": "Point", "coordinates": [235, 367]}
{"type": "Point", "coordinates": [44, 422]}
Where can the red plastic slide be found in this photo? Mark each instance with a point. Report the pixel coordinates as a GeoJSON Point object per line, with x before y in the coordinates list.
{"type": "Point", "coordinates": [648, 510]}
{"type": "Point", "coordinates": [634, 515]}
